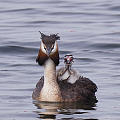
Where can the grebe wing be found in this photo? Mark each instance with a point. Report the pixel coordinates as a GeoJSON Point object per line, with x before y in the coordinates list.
{"type": "Point", "coordinates": [82, 90]}
{"type": "Point", "coordinates": [87, 83]}
{"type": "Point", "coordinates": [39, 85]}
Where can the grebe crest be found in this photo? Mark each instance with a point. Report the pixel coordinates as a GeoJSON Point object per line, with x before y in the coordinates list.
{"type": "Point", "coordinates": [67, 73]}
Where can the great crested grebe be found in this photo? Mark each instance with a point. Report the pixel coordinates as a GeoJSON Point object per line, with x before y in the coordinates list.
{"type": "Point", "coordinates": [67, 73]}
{"type": "Point", "coordinates": [49, 88]}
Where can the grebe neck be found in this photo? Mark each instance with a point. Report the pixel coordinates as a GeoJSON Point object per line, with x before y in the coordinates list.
{"type": "Point", "coordinates": [49, 72]}
{"type": "Point", "coordinates": [50, 91]}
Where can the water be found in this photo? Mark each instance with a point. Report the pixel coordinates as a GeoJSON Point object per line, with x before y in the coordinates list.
{"type": "Point", "coordinates": [88, 29]}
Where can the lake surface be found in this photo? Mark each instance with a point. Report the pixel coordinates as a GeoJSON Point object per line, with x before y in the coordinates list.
{"type": "Point", "coordinates": [89, 30]}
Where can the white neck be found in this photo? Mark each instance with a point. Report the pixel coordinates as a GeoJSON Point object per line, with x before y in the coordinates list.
{"type": "Point", "coordinates": [49, 72]}
{"type": "Point", "coordinates": [50, 91]}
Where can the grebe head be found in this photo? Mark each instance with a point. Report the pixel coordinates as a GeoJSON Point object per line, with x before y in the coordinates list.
{"type": "Point", "coordinates": [48, 49]}
{"type": "Point", "coordinates": [68, 60]}
{"type": "Point", "coordinates": [66, 73]}
{"type": "Point", "coordinates": [49, 43]}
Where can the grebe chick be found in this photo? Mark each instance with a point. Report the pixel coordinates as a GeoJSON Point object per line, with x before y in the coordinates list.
{"type": "Point", "coordinates": [49, 88]}
{"type": "Point", "coordinates": [67, 73]}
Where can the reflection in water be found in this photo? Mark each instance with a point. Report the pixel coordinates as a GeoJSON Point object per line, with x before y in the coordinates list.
{"type": "Point", "coordinates": [49, 111]}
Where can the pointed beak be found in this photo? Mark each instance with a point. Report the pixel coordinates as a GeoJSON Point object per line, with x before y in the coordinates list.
{"type": "Point", "coordinates": [48, 51]}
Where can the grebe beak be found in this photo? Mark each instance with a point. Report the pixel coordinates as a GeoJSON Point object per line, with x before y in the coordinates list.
{"type": "Point", "coordinates": [48, 51]}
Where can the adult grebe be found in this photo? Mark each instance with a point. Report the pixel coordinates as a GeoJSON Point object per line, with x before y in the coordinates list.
{"type": "Point", "coordinates": [49, 89]}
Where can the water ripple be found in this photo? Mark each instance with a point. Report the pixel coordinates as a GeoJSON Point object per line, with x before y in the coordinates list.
{"type": "Point", "coordinates": [16, 10]}
{"type": "Point", "coordinates": [114, 8]}
{"type": "Point", "coordinates": [106, 45]}
{"type": "Point", "coordinates": [17, 49]}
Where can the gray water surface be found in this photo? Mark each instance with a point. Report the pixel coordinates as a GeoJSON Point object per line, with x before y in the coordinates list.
{"type": "Point", "coordinates": [89, 30]}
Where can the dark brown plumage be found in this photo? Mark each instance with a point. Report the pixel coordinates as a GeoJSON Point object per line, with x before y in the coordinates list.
{"type": "Point", "coordinates": [42, 57]}
{"type": "Point", "coordinates": [49, 39]}
{"type": "Point", "coordinates": [83, 90]}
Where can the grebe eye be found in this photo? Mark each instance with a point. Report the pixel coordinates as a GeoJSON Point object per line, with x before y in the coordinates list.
{"type": "Point", "coordinates": [52, 46]}
{"type": "Point", "coordinates": [45, 47]}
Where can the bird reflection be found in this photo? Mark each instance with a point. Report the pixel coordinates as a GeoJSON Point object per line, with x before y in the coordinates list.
{"type": "Point", "coordinates": [49, 111]}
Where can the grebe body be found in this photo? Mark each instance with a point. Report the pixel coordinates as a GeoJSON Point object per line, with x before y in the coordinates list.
{"type": "Point", "coordinates": [67, 85]}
